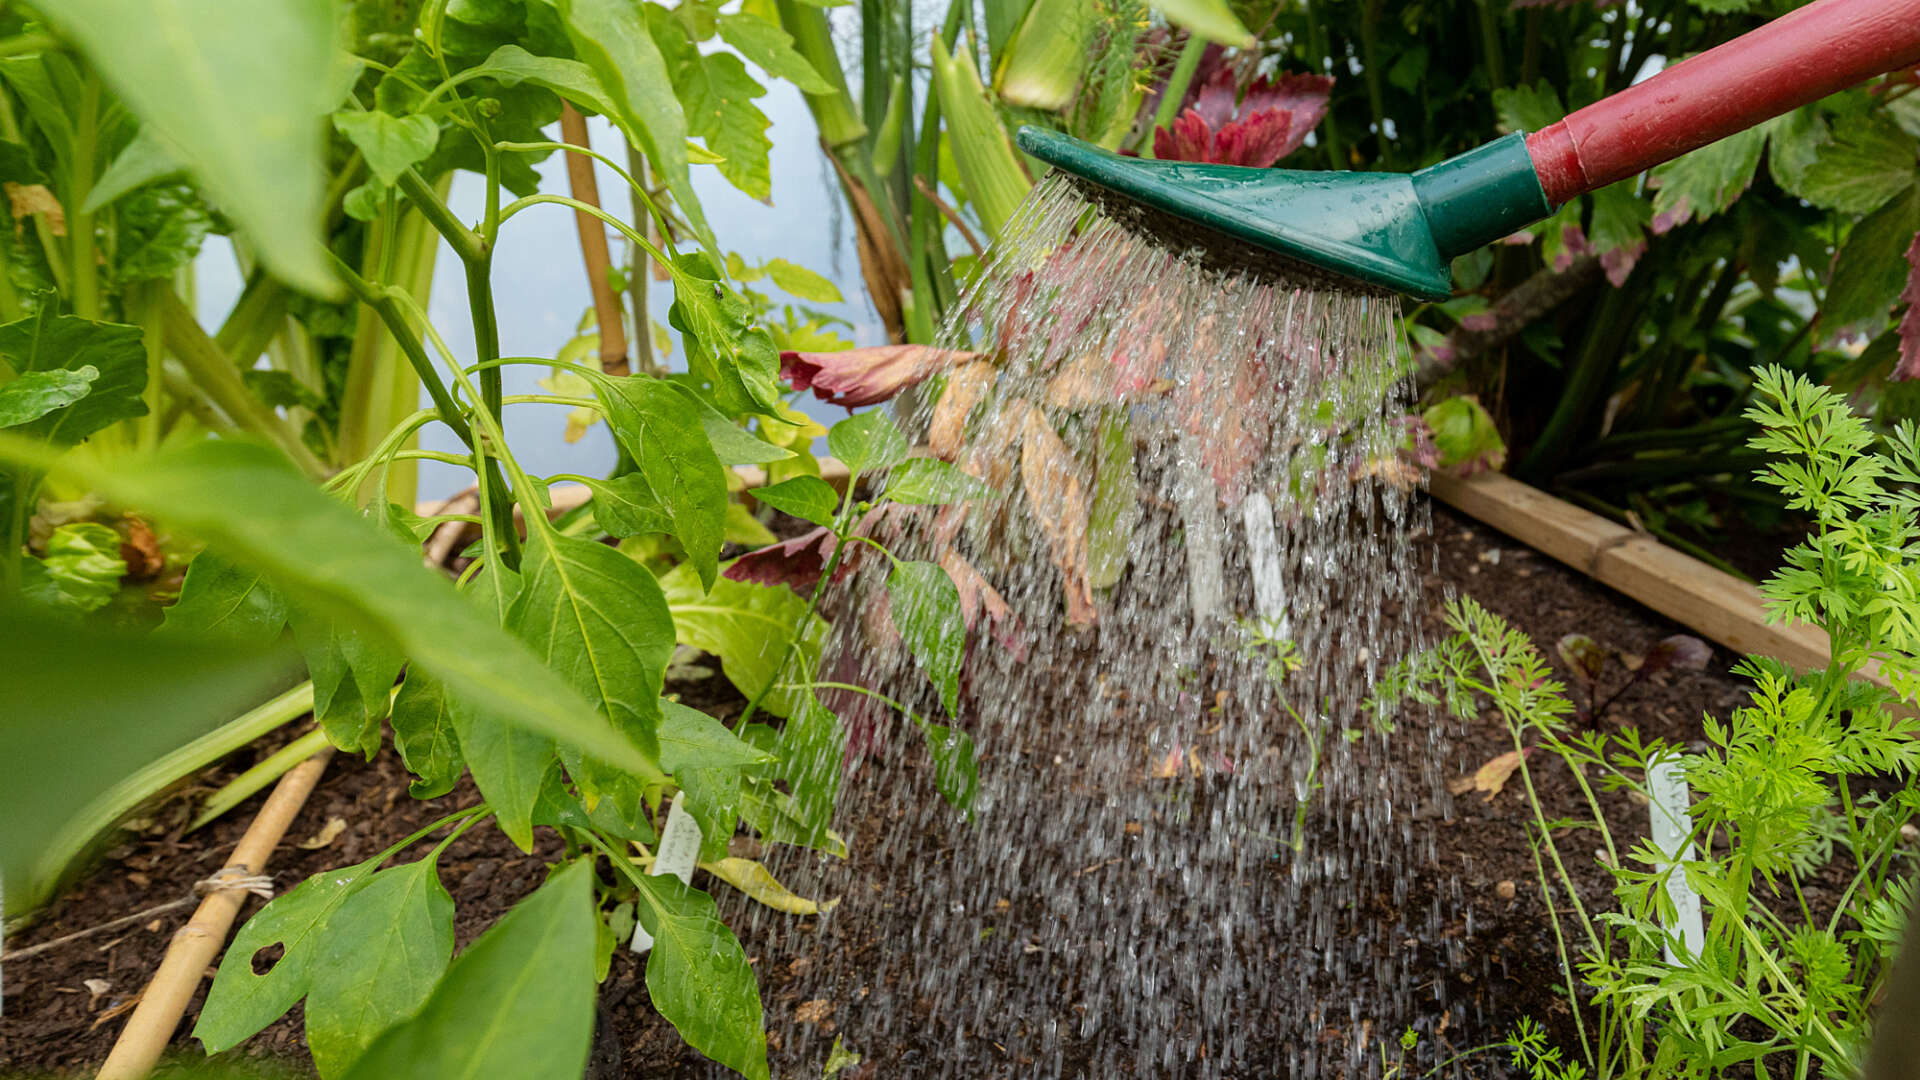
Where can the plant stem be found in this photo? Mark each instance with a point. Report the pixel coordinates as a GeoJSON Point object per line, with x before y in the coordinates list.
{"type": "Point", "coordinates": [637, 275]}
{"type": "Point", "coordinates": [212, 371]}
{"type": "Point", "coordinates": [85, 293]}
{"type": "Point", "coordinates": [244, 786]}
{"type": "Point", "coordinates": [1175, 91]}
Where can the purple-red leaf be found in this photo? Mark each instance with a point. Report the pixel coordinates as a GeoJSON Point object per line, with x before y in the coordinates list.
{"type": "Point", "coordinates": [855, 377]}
{"type": "Point", "coordinates": [1909, 364]}
{"type": "Point", "coordinates": [1681, 652]}
{"type": "Point", "coordinates": [1271, 121]}
{"type": "Point", "coordinates": [1585, 658]}
{"type": "Point", "coordinates": [795, 563]}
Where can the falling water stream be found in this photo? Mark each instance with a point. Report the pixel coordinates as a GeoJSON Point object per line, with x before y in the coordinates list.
{"type": "Point", "coordinates": [1192, 850]}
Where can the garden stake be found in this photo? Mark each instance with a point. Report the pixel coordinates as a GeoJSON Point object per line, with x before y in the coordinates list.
{"type": "Point", "coordinates": [1401, 232]}
{"type": "Point", "coordinates": [196, 945]}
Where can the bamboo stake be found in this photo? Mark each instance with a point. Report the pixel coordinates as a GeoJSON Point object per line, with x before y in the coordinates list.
{"type": "Point", "coordinates": [593, 245]}
{"type": "Point", "coordinates": [196, 944]}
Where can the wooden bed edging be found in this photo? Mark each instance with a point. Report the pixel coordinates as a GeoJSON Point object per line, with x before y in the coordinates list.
{"type": "Point", "coordinates": [1702, 598]}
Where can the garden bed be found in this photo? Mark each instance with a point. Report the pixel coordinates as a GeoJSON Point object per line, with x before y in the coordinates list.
{"type": "Point", "coordinates": [62, 1006]}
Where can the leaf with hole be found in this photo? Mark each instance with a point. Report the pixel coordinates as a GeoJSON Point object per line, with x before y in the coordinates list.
{"type": "Point", "coordinates": [518, 1002]}
{"type": "Point", "coordinates": [383, 951]}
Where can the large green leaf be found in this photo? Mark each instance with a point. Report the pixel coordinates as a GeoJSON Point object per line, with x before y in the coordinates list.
{"type": "Point", "coordinates": [1869, 161]}
{"type": "Point", "coordinates": [690, 739]}
{"type": "Point", "coordinates": [747, 626]}
{"type": "Point", "coordinates": [1700, 184]}
{"type": "Point", "coordinates": [80, 709]}
{"type": "Point", "coordinates": [626, 506]}
{"type": "Point", "coordinates": [247, 502]}
{"type": "Point", "coordinates": [46, 342]}
{"type": "Point", "coordinates": [929, 481]}
{"type": "Point", "coordinates": [518, 1003]}
{"type": "Point", "coordinates": [808, 498]}
{"type": "Point", "coordinates": [718, 92]}
{"type": "Point", "coordinates": [238, 98]}
{"type": "Point", "coordinates": [698, 975]}
{"type": "Point", "coordinates": [219, 599]}
{"type": "Point", "coordinates": [926, 609]}
{"type": "Point", "coordinates": [956, 770]}
{"type": "Point", "coordinates": [868, 441]}
{"type": "Point", "coordinates": [37, 393]}
{"type": "Point", "coordinates": [660, 428]}
{"type": "Point", "coordinates": [511, 767]}
{"type": "Point", "coordinates": [771, 49]}
{"type": "Point", "coordinates": [242, 1002]}
{"type": "Point", "coordinates": [598, 619]}
{"type": "Point", "coordinates": [384, 949]}
{"type": "Point", "coordinates": [611, 37]}
{"type": "Point", "coordinates": [424, 733]}
{"type": "Point", "coordinates": [353, 674]}
{"type": "Point", "coordinates": [1871, 267]}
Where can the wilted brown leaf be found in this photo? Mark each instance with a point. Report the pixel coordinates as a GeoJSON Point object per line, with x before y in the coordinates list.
{"type": "Point", "coordinates": [812, 1012]}
{"type": "Point", "coordinates": [29, 199]}
{"type": "Point", "coordinates": [1491, 777]}
{"type": "Point", "coordinates": [141, 550]}
{"type": "Point", "coordinates": [946, 434]}
{"type": "Point", "coordinates": [1057, 498]}
{"type": "Point", "coordinates": [328, 834]}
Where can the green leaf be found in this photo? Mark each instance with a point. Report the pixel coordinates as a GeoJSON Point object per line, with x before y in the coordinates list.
{"type": "Point", "coordinates": [713, 800]}
{"type": "Point", "coordinates": [743, 528]}
{"type": "Point", "coordinates": [734, 446]}
{"type": "Point", "coordinates": [611, 38]}
{"type": "Point", "coordinates": [160, 230]}
{"type": "Point", "coordinates": [241, 1002]}
{"type": "Point", "coordinates": [797, 280]}
{"type": "Point", "coordinates": [218, 599]}
{"type": "Point", "coordinates": [626, 506]}
{"type": "Point", "coordinates": [1869, 161]}
{"type": "Point", "coordinates": [812, 748]}
{"type": "Point", "coordinates": [425, 734]}
{"type": "Point", "coordinates": [775, 816]}
{"type": "Point", "coordinates": [510, 766]}
{"type": "Point", "coordinates": [690, 739]}
{"type": "Point", "coordinates": [1528, 108]}
{"type": "Point", "coordinates": [698, 975]}
{"type": "Point", "coordinates": [956, 770]}
{"type": "Point", "coordinates": [869, 441]}
{"type": "Point", "coordinates": [240, 100]}
{"type": "Point", "coordinates": [1044, 63]}
{"type": "Point", "coordinates": [659, 428]}
{"type": "Point", "coordinates": [747, 626]}
{"type": "Point", "coordinates": [385, 948]}
{"type": "Point", "coordinates": [391, 144]}
{"type": "Point", "coordinates": [717, 92]}
{"type": "Point", "coordinates": [771, 49]}
{"type": "Point", "coordinates": [511, 65]}
{"type": "Point", "coordinates": [37, 393]}
{"type": "Point", "coordinates": [808, 498]}
{"type": "Point", "coordinates": [927, 481]}
{"type": "Point", "coordinates": [1793, 142]}
{"type": "Point", "coordinates": [1466, 437]}
{"type": "Point", "coordinates": [1210, 19]}
{"type": "Point", "coordinates": [46, 342]}
{"type": "Point", "coordinates": [1698, 185]}
{"type": "Point", "coordinates": [597, 619]}
{"type": "Point", "coordinates": [926, 610]}
{"type": "Point", "coordinates": [353, 674]}
{"type": "Point", "coordinates": [247, 502]}
{"type": "Point", "coordinates": [81, 571]}
{"type": "Point", "coordinates": [725, 345]}
{"type": "Point", "coordinates": [1871, 267]}
{"type": "Point", "coordinates": [518, 1002]}
{"type": "Point", "coordinates": [141, 162]}
{"type": "Point", "coordinates": [1116, 503]}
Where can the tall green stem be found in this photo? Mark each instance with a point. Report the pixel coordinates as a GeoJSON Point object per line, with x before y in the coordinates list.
{"type": "Point", "coordinates": [213, 372]}
{"type": "Point", "coordinates": [85, 293]}
{"type": "Point", "coordinates": [641, 270]}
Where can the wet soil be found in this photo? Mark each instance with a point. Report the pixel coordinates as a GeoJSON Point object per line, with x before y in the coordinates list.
{"type": "Point", "coordinates": [63, 1007]}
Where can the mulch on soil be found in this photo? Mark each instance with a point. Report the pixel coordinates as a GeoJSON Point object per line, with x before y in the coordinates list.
{"type": "Point", "coordinates": [64, 1007]}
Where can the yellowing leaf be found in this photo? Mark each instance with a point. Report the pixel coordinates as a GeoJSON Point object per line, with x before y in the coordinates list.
{"type": "Point", "coordinates": [29, 199]}
{"type": "Point", "coordinates": [759, 884]}
{"type": "Point", "coordinates": [1491, 777]}
{"type": "Point", "coordinates": [1056, 496]}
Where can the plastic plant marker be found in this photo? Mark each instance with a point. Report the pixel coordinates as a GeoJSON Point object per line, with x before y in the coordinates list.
{"type": "Point", "coordinates": [1263, 554]}
{"type": "Point", "coordinates": [1672, 830]}
{"type": "Point", "coordinates": [679, 853]}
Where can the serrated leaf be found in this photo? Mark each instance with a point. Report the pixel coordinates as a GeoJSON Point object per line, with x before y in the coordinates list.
{"type": "Point", "coordinates": [240, 1002]}
{"type": "Point", "coordinates": [425, 734]}
{"type": "Point", "coordinates": [518, 1002]}
{"type": "Point", "coordinates": [37, 393]}
{"type": "Point", "coordinates": [1698, 185]}
{"type": "Point", "coordinates": [698, 975]}
{"type": "Point", "coordinates": [218, 599]}
{"type": "Point", "coordinates": [390, 144]}
{"type": "Point", "coordinates": [1528, 108]}
{"type": "Point", "coordinates": [926, 481]}
{"type": "Point", "coordinates": [1870, 268]}
{"type": "Point", "coordinates": [1793, 142]}
{"type": "Point", "coordinates": [725, 345]}
{"type": "Point", "coordinates": [718, 93]}
{"type": "Point", "coordinates": [926, 610]}
{"type": "Point", "coordinates": [867, 442]}
{"type": "Point", "coordinates": [626, 506]}
{"type": "Point", "coordinates": [808, 498]}
{"type": "Point", "coordinates": [770, 48]}
{"type": "Point", "coordinates": [1869, 161]}
{"type": "Point", "coordinates": [659, 428]}
{"type": "Point", "coordinates": [239, 99]}
{"type": "Point", "coordinates": [384, 950]}
{"type": "Point", "coordinates": [597, 619]}
{"type": "Point", "coordinates": [796, 280]}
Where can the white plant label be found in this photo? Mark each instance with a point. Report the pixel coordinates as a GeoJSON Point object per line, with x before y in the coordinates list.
{"type": "Point", "coordinates": [1197, 495]}
{"type": "Point", "coordinates": [679, 850]}
{"type": "Point", "coordinates": [1263, 554]}
{"type": "Point", "coordinates": [1669, 806]}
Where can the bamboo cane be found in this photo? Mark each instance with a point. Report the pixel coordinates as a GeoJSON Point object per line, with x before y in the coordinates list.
{"type": "Point", "coordinates": [593, 246]}
{"type": "Point", "coordinates": [196, 944]}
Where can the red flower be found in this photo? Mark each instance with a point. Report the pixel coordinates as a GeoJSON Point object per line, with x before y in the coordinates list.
{"type": "Point", "coordinates": [865, 376]}
{"type": "Point", "coordinates": [1269, 123]}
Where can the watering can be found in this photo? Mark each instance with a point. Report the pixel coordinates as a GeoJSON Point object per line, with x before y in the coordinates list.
{"type": "Point", "coordinates": [1402, 231]}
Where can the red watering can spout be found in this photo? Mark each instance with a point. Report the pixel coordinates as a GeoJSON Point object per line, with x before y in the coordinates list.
{"type": "Point", "coordinates": [1798, 58]}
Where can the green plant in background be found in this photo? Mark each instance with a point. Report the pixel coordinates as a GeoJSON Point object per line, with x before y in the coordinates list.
{"type": "Point", "coordinates": [1813, 778]}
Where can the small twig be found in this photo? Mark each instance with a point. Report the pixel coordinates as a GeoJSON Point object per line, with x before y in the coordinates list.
{"type": "Point", "coordinates": [124, 920]}
{"type": "Point", "coordinates": [593, 244]}
{"type": "Point", "coordinates": [950, 214]}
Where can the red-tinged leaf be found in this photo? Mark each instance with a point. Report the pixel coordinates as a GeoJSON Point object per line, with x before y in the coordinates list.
{"type": "Point", "coordinates": [1584, 657]}
{"type": "Point", "coordinates": [1681, 652]}
{"type": "Point", "coordinates": [1216, 99]}
{"type": "Point", "coordinates": [1271, 121]}
{"type": "Point", "coordinates": [855, 377]}
{"type": "Point", "coordinates": [946, 433]}
{"type": "Point", "coordinates": [1301, 96]}
{"type": "Point", "coordinates": [1909, 365]}
{"type": "Point", "coordinates": [1189, 139]}
{"type": "Point", "coordinates": [1257, 141]}
{"type": "Point", "coordinates": [795, 563]}
{"type": "Point", "coordinates": [1056, 496]}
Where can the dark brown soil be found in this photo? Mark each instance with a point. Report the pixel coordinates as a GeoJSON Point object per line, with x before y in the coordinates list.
{"type": "Point", "coordinates": [63, 1007]}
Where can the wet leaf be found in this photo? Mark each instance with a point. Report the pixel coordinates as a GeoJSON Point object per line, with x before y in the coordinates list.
{"type": "Point", "coordinates": [808, 498]}
{"type": "Point", "coordinates": [926, 609]}
{"type": "Point", "coordinates": [956, 770]}
{"type": "Point", "coordinates": [851, 378]}
{"type": "Point", "coordinates": [518, 1002]}
{"type": "Point", "coordinates": [931, 482]}
{"type": "Point", "coordinates": [1056, 496]}
{"type": "Point", "coordinates": [384, 950]}
{"type": "Point", "coordinates": [968, 383]}
{"type": "Point", "coordinates": [425, 734]}
{"type": "Point", "coordinates": [1116, 503]}
{"type": "Point", "coordinates": [1491, 777]}
{"type": "Point", "coordinates": [775, 816]}
{"type": "Point", "coordinates": [868, 442]}
{"type": "Point", "coordinates": [761, 886]}
{"type": "Point", "coordinates": [690, 739]}
{"type": "Point", "coordinates": [698, 975]}
{"type": "Point", "coordinates": [1466, 436]}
